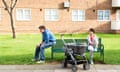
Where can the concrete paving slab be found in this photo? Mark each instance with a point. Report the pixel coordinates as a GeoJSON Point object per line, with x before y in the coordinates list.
{"type": "Point", "coordinates": [7, 67]}
{"type": "Point", "coordinates": [16, 71]}
{"type": "Point", "coordinates": [106, 70]}
{"type": "Point", "coordinates": [116, 67]}
{"type": "Point", "coordinates": [57, 68]}
{"type": "Point", "coordinates": [118, 70]}
{"type": "Point", "coordinates": [62, 70]}
{"type": "Point", "coordinates": [43, 71]}
{"type": "Point", "coordinates": [104, 67]}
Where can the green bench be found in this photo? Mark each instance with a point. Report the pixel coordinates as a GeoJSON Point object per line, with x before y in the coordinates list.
{"type": "Point", "coordinates": [58, 47]}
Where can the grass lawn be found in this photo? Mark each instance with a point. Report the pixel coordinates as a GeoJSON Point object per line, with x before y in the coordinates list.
{"type": "Point", "coordinates": [21, 50]}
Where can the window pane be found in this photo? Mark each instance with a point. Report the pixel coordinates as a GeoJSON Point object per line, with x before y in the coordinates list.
{"type": "Point", "coordinates": [27, 12]}
{"type": "Point", "coordinates": [106, 18]}
{"type": "Point", "coordinates": [106, 14]}
{"type": "Point", "coordinates": [100, 15]}
{"type": "Point", "coordinates": [80, 12]}
{"type": "Point", "coordinates": [107, 11]}
{"type": "Point", "coordinates": [27, 15]}
{"type": "Point", "coordinates": [54, 12]}
{"type": "Point", "coordinates": [55, 17]}
{"type": "Point", "coordinates": [74, 12]}
{"type": "Point", "coordinates": [47, 17]}
{"type": "Point", "coordinates": [19, 14]}
{"type": "Point", "coordinates": [100, 18]}
{"type": "Point", "coordinates": [47, 12]}
{"type": "Point", "coordinates": [80, 18]}
{"type": "Point", "coordinates": [74, 18]}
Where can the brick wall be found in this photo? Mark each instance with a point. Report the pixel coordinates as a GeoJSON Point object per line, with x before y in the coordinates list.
{"type": "Point", "coordinates": [65, 23]}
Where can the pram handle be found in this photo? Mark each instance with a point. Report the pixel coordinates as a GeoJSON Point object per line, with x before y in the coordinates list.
{"type": "Point", "coordinates": [71, 35]}
{"type": "Point", "coordinates": [62, 37]}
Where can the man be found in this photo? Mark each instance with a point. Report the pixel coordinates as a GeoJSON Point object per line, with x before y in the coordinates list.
{"type": "Point", "coordinates": [48, 40]}
{"type": "Point", "coordinates": [92, 43]}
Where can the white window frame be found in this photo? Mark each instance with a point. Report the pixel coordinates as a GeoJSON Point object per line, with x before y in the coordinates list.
{"type": "Point", "coordinates": [103, 15]}
{"type": "Point", "coordinates": [78, 14]}
{"type": "Point", "coordinates": [51, 15]}
{"type": "Point", "coordinates": [23, 17]}
{"type": "Point", "coordinates": [0, 14]}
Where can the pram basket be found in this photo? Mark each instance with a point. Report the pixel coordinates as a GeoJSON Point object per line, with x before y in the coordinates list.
{"type": "Point", "coordinates": [73, 49]}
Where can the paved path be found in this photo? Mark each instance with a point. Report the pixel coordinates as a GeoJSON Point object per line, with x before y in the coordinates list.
{"type": "Point", "coordinates": [57, 68]}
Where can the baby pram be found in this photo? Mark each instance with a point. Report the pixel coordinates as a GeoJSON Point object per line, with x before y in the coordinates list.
{"type": "Point", "coordinates": [75, 54]}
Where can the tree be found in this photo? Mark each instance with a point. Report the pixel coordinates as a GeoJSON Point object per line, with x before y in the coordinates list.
{"type": "Point", "coordinates": [9, 7]}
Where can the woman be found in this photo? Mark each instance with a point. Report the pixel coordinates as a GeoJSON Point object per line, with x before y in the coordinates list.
{"type": "Point", "coordinates": [92, 43]}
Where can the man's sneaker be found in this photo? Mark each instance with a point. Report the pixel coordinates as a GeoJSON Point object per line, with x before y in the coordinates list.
{"type": "Point", "coordinates": [40, 62]}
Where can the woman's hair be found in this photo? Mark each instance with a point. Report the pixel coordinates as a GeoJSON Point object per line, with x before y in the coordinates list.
{"type": "Point", "coordinates": [92, 30]}
{"type": "Point", "coordinates": [42, 27]}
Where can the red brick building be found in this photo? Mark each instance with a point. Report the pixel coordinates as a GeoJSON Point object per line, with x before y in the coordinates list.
{"type": "Point", "coordinates": [63, 16]}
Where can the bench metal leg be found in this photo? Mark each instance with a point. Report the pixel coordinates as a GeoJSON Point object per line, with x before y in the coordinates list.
{"type": "Point", "coordinates": [52, 55]}
{"type": "Point", "coordinates": [102, 56]}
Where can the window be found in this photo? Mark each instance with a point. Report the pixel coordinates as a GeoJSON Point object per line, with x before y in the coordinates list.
{"type": "Point", "coordinates": [23, 14]}
{"type": "Point", "coordinates": [0, 14]}
{"type": "Point", "coordinates": [104, 15]}
{"type": "Point", "coordinates": [78, 15]}
{"type": "Point", "coordinates": [51, 15]}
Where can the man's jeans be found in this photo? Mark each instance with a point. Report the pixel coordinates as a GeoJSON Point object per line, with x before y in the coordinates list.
{"type": "Point", "coordinates": [40, 50]}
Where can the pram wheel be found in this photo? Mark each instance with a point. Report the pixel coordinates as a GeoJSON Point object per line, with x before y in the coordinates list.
{"type": "Point", "coordinates": [74, 68]}
{"type": "Point", "coordinates": [86, 66]}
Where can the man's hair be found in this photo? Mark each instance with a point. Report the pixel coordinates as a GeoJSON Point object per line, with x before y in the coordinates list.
{"type": "Point", "coordinates": [42, 27]}
{"type": "Point", "coordinates": [92, 30]}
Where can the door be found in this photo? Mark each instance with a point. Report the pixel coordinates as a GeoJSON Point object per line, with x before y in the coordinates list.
{"type": "Point", "coordinates": [118, 15]}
